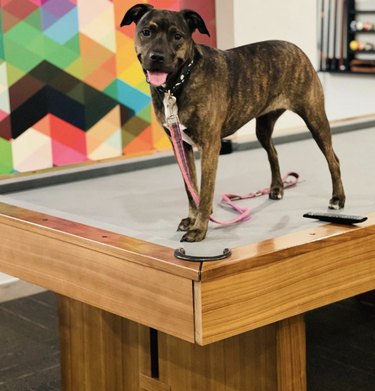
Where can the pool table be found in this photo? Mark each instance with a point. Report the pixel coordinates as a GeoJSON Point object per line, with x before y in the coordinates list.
{"type": "Point", "coordinates": [134, 317]}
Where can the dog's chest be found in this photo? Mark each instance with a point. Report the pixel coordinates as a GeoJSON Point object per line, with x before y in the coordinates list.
{"type": "Point", "coordinates": [171, 114]}
{"type": "Point", "coordinates": [185, 137]}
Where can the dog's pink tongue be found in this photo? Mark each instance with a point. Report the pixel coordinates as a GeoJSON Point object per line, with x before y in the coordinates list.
{"type": "Point", "coordinates": [157, 78]}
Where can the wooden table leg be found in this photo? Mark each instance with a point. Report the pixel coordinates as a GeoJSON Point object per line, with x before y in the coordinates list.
{"type": "Point", "coordinates": [291, 354]}
{"type": "Point", "coordinates": [101, 351]}
{"type": "Point", "coordinates": [271, 358]}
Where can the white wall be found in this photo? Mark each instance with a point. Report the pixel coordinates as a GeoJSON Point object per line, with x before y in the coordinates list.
{"type": "Point", "coordinates": [291, 20]}
{"type": "Point", "coordinates": [244, 21]}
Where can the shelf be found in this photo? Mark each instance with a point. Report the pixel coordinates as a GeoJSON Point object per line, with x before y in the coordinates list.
{"type": "Point", "coordinates": [347, 72]}
{"type": "Point", "coordinates": [363, 51]}
{"type": "Point", "coordinates": [329, 35]}
{"type": "Point", "coordinates": [368, 12]}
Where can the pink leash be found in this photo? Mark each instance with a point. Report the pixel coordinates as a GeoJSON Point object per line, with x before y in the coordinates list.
{"type": "Point", "coordinates": [289, 180]}
{"type": "Point", "coordinates": [173, 123]}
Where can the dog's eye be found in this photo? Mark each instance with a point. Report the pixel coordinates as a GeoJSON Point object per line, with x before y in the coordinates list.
{"type": "Point", "coordinates": [177, 36]}
{"type": "Point", "coordinates": [146, 32]}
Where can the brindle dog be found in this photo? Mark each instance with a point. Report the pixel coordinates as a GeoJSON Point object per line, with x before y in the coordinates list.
{"type": "Point", "coordinates": [222, 91]}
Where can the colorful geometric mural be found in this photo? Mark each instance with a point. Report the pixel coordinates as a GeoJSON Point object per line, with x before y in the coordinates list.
{"type": "Point", "coordinates": [71, 88]}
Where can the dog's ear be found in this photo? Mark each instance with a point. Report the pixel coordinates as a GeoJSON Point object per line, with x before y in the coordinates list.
{"type": "Point", "coordinates": [135, 13]}
{"type": "Point", "coordinates": [195, 21]}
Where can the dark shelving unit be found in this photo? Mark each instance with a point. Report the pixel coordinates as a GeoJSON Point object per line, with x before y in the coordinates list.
{"type": "Point", "coordinates": [338, 38]}
{"type": "Point", "coordinates": [352, 35]}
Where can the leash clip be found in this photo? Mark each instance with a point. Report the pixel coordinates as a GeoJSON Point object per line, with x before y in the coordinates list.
{"type": "Point", "coordinates": [170, 108]}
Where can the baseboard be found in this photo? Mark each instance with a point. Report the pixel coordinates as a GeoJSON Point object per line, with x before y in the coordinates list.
{"type": "Point", "coordinates": [12, 288]}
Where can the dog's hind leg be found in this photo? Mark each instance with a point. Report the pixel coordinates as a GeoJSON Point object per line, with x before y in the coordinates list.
{"type": "Point", "coordinates": [317, 122]}
{"type": "Point", "coordinates": [189, 221]}
{"type": "Point", "coordinates": [264, 130]}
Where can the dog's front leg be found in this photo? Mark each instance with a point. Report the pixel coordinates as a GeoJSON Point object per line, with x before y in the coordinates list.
{"type": "Point", "coordinates": [209, 161]}
{"type": "Point", "coordinates": [189, 221]}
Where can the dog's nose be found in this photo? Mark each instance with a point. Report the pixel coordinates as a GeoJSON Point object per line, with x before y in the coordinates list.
{"type": "Point", "coordinates": [157, 57]}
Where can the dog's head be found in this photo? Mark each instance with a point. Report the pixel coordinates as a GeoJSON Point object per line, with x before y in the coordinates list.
{"type": "Point", "coordinates": [163, 39]}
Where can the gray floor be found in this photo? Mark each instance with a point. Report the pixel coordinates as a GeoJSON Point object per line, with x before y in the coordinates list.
{"type": "Point", "coordinates": [340, 346]}
{"type": "Point", "coordinates": [29, 347]}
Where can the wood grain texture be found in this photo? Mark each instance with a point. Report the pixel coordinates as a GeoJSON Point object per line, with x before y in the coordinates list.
{"type": "Point", "coordinates": [150, 384]}
{"type": "Point", "coordinates": [124, 247]}
{"type": "Point", "coordinates": [286, 284]}
{"type": "Point", "coordinates": [99, 351]}
{"type": "Point", "coordinates": [269, 251]}
{"type": "Point", "coordinates": [61, 262]}
{"type": "Point", "coordinates": [291, 354]}
{"type": "Point", "coordinates": [262, 283]}
{"type": "Point", "coordinates": [244, 362]}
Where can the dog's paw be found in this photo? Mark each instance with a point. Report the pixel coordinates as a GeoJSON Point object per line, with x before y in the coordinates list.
{"type": "Point", "coordinates": [336, 203]}
{"type": "Point", "coordinates": [276, 193]}
{"type": "Point", "coordinates": [194, 235]}
{"type": "Point", "coordinates": [185, 224]}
